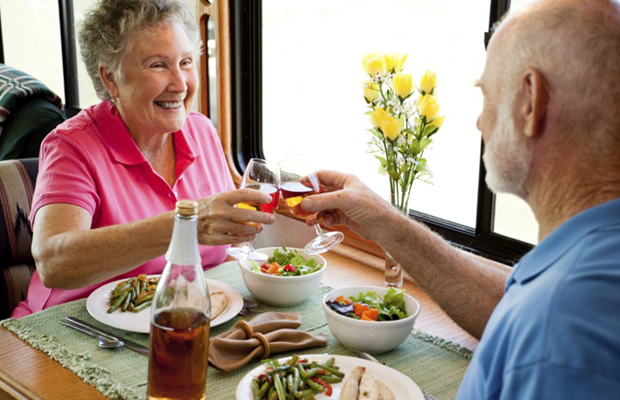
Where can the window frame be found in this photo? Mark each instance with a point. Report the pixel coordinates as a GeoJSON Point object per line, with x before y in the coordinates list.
{"type": "Point", "coordinates": [246, 62]}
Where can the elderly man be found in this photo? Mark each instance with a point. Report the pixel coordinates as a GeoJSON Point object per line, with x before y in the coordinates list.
{"type": "Point", "coordinates": [551, 125]}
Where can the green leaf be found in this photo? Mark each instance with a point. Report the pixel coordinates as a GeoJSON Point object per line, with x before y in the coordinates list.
{"type": "Point", "coordinates": [425, 142]}
{"type": "Point", "coordinates": [376, 133]}
{"type": "Point", "coordinates": [429, 130]}
{"type": "Point", "coordinates": [382, 160]}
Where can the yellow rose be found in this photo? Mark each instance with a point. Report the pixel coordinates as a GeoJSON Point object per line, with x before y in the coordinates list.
{"type": "Point", "coordinates": [402, 84]}
{"type": "Point", "coordinates": [373, 64]}
{"type": "Point", "coordinates": [371, 91]}
{"type": "Point", "coordinates": [428, 107]}
{"type": "Point", "coordinates": [394, 61]}
{"type": "Point", "coordinates": [428, 82]}
{"type": "Point", "coordinates": [377, 117]}
{"type": "Point", "coordinates": [391, 127]}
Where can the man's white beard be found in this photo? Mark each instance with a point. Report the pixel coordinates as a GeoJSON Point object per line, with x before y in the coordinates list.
{"type": "Point", "coordinates": [507, 157]}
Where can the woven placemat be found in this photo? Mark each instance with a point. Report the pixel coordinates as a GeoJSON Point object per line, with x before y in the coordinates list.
{"type": "Point", "coordinates": [435, 365]}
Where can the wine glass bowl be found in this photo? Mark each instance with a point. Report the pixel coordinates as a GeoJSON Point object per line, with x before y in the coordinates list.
{"type": "Point", "coordinates": [297, 181]}
{"type": "Point", "coordinates": [262, 176]}
{"type": "Point", "coordinates": [293, 192]}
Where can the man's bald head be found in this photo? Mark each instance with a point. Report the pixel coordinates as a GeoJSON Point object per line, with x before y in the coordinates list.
{"type": "Point", "coordinates": [575, 44]}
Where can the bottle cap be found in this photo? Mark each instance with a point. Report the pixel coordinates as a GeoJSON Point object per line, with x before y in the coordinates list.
{"type": "Point", "coordinates": [187, 208]}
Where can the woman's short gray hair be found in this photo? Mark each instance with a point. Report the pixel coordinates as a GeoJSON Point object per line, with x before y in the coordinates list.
{"type": "Point", "coordinates": [106, 32]}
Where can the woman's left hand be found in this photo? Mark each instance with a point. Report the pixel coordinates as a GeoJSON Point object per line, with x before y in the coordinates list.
{"type": "Point", "coordinates": [219, 222]}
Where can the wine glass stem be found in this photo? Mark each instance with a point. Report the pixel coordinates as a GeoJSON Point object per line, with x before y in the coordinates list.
{"type": "Point", "coordinates": [317, 228]}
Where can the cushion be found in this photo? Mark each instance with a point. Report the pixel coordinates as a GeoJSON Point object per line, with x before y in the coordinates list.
{"type": "Point", "coordinates": [17, 178]}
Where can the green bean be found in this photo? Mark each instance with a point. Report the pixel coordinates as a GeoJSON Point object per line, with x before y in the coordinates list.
{"type": "Point", "coordinates": [142, 306]}
{"type": "Point", "coordinates": [144, 298]}
{"type": "Point", "coordinates": [296, 381]}
{"type": "Point", "coordinates": [331, 378]}
{"type": "Point", "coordinates": [279, 388]}
{"type": "Point", "coordinates": [329, 362]}
{"type": "Point", "coordinates": [255, 389]}
{"type": "Point", "coordinates": [315, 386]}
{"type": "Point", "coordinates": [290, 387]}
{"type": "Point", "coordinates": [291, 380]}
{"type": "Point", "coordinates": [127, 301]}
{"type": "Point", "coordinates": [293, 360]}
{"type": "Point", "coordinates": [118, 293]}
{"type": "Point", "coordinates": [309, 373]}
{"type": "Point", "coordinates": [333, 371]}
{"type": "Point", "coordinates": [263, 389]}
{"type": "Point", "coordinates": [306, 394]}
{"type": "Point", "coordinates": [117, 303]}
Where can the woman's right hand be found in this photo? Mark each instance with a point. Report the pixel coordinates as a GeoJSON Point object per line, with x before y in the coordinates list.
{"type": "Point", "coordinates": [219, 222]}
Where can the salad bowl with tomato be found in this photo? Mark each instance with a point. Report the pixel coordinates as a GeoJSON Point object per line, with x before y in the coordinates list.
{"type": "Point", "coordinates": [288, 277]}
{"type": "Point", "coordinates": [370, 319]}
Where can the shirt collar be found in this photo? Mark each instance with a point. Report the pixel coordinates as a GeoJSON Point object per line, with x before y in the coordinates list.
{"type": "Point", "coordinates": [560, 241]}
{"type": "Point", "coordinates": [125, 150]}
{"type": "Point", "coordinates": [116, 135]}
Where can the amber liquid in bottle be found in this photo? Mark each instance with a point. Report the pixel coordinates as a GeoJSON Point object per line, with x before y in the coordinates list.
{"type": "Point", "coordinates": [179, 346]}
{"type": "Point", "coordinates": [180, 317]}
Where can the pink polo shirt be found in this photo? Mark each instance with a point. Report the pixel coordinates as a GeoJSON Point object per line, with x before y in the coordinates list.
{"type": "Point", "coordinates": [91, 161]}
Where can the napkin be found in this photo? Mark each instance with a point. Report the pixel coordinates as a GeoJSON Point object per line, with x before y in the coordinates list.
{"type": "Point", "coordinates": [265, 334]}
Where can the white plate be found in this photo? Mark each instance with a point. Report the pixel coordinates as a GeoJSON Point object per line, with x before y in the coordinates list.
{"type": "Point", "coordinates": [401, 385]}
{"type": "Point", "coordinates": [98, 303]}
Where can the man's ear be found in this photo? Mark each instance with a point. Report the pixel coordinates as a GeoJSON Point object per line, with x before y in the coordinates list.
{"type": "Point", "coordinates": [534, 102]}
{"type": "Point", "coordinates": [109, 81]}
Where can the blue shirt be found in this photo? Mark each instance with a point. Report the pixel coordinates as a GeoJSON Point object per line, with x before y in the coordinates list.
{"type": "Point", "coordinates": [556, 332]}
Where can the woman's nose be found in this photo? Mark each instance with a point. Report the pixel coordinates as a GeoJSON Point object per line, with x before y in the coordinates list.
{"type": "Point", "coordinates": [178, 81]}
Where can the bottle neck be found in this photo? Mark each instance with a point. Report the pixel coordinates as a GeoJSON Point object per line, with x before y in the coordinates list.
{"type": "Point", "coordinates": [183, 248]}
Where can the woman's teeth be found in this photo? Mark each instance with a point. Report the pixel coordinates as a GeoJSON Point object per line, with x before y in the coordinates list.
{"type": "Point", "coordinates": [169, 104]}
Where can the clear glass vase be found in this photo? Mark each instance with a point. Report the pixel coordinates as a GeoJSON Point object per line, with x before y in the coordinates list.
{"type": "Point", "coordinates": [393, 274]}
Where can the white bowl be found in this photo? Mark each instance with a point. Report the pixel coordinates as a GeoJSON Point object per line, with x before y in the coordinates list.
{"type": "Point", "coordinates": [374, 337]}
{"type": "Point", "coordinates": [282, 290]}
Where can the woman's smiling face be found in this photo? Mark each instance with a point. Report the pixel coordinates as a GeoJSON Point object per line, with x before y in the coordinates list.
{"type": "Point", "coordinates": [159, 80]}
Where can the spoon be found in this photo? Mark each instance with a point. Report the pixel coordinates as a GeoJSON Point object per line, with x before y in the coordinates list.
{"type": "Point", "coordinates": [104, 342]}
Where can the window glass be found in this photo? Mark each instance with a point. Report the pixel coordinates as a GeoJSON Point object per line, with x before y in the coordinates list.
{"type": "Point", "coordinates": [513, 217]}
{"type": "Point", "coordinates": [312, 88]}
{"type": "Point", "coordinates": [87, 93]}
{"type": "Point", "coordinates": [34, 51]}
{"type": "Point", "coordinates": [210, 49]}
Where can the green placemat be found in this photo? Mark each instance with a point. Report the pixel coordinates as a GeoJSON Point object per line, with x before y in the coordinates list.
{"type": "Point", "coordinates": [435, 365]}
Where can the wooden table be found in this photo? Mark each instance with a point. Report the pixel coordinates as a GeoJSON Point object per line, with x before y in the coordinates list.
{"type": "Point", "coordinates": [27, 373]}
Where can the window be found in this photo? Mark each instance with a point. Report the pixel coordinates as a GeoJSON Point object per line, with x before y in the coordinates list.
{"type": "Point", "coordinates": [306, 98]}
{"type": "Point", "coordinates": [296, 88]}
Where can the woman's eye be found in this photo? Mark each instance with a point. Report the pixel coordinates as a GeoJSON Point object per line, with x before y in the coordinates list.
{"type": "Point", "coordinates": [187, 62]}
{"type": "Point", "coordinates": [157, 65]}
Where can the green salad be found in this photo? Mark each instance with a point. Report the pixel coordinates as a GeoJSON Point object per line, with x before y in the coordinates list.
{"type": "Point", "coordinates": [286, 262]}
{"type": "Point", "coordinates": [369, 306]}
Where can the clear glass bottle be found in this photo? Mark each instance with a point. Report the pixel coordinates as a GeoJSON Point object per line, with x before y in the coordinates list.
{"type": "Point", "coordinates": [180, 316]}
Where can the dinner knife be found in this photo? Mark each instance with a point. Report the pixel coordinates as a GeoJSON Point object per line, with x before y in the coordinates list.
{"type": "Point", "coordinates": [128, 343]}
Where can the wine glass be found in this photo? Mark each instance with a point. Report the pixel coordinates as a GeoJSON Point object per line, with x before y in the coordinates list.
{"type": "Point", "coordinates": [298, 180]}
{"type": "Point", "coordinates": [259, 175]}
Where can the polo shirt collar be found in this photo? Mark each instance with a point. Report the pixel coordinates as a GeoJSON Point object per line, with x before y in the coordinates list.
{"type": "Point", "coordinates": [564, 238]}
{"type": "Point", "coordinates": [125, 150]}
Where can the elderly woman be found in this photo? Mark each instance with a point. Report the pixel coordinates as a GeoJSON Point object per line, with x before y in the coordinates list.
{"type": "Point", "coordinates": [110, 176]}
